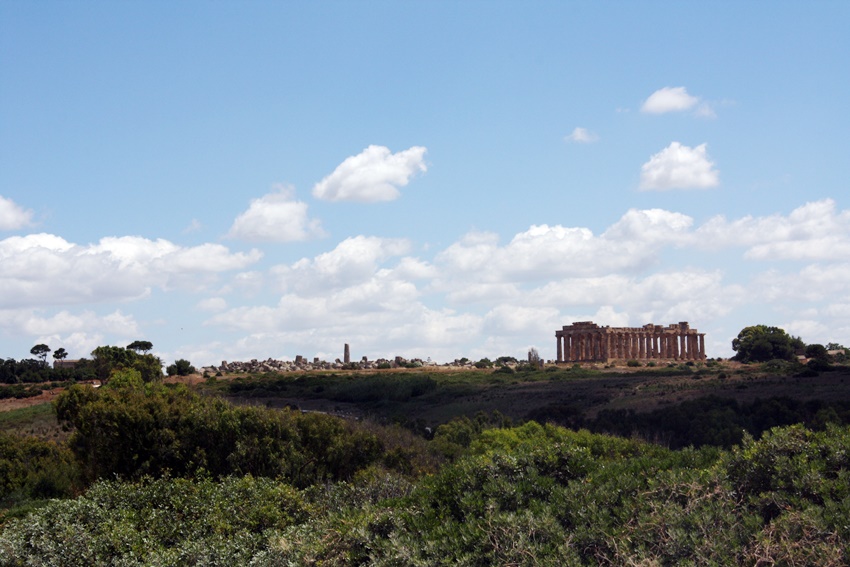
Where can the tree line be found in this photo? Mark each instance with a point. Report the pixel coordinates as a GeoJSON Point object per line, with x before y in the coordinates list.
{"type": "Point", "coordinates": [104, 359]}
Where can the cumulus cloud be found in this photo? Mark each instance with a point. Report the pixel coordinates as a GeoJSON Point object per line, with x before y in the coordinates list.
{"type": "Point", "coordinates": [376, 295]}
{"type": "Point", "coordinates": [276, 217]}
{"type": "Point", "coordinates": [78, 333]}
{"type": "Point", "coordinates": [813, 231]}
{"type": "Point", "coordinates": [545, 251]}
{"type": "Point", "coordinates": [353, 261]}
{"type": "Point", "coordinates": [12, 216]}
{"type": "Point", "coordinates": [669, 99]}
{"type": "Point", "coordinates": [44, 269]}
{"type": "Point", "coordinates": [373, 175]}
{"type": "Point", "coordinates": [679, 167]}
{"type": "Point", "coordinates": [650, 225]}
{"type": "Point", "coordinates": [582, 136]}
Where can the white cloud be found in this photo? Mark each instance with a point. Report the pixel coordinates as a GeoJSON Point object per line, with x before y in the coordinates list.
{"type": "Point", "coordinates": [77, 333]}
{"type": "Point", "coordinates": [213, 304]}
{"type": "Point", "coordinates": [12, 216]}
{"type": "Point", "coordinates": [543, 251]}
{"type": "Point", "coordinates": [679, 167]}
{"type": "Point", "coordinates": [669, 99]}
{"type": "Point", "coordinates": [650, 225]}
{"type": "Point", "coordinates": [352, 262]}
{"type": "Point", "coordinates": [276, 217]}
{"type": "Point", "coordinates": [375, 174]}
{"type": "Point", "coordinates": [813, 231]}
{"type": "Point", "coordinates": [582, 136]}
{"type": "Point", "coordinates": [44, 269]}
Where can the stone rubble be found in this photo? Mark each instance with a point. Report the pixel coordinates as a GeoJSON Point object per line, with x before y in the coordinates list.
{"type": "Point", "coordinates": [300, 364]}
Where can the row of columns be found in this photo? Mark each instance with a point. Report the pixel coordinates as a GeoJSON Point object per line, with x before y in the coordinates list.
{"type": "Point", "coordinates": [604, 345]}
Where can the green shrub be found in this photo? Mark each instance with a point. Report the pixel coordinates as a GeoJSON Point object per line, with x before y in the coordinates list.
{"type": "Point", "coordinates": [155, 522]}
{"type": "Point", "coordinates": [131, 432]}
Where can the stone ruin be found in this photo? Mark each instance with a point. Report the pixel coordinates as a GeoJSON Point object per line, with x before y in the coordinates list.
{"type": "Point", "coordinates": [586, 341]}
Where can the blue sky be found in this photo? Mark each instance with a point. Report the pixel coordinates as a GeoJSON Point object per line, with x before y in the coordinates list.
{"type": "Point", "coordinates": [238, 180]}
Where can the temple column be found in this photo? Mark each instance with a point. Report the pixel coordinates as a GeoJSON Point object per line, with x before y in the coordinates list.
{"type": "Point", "coordinates": [702, 346]}
{"type": "Point", "coordinates": [675, 341]}
{"type": "Point", "coordinates": [559, 341]}
{"type": "Point", "coordinates": [641, 346]}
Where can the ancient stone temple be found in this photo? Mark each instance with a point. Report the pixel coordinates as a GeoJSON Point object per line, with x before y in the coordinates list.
{"type": "Point", "coordinates": [588, 342]}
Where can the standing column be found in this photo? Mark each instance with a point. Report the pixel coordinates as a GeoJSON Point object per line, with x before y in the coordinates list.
{"type": "Point", "coordinates": [559, 349]}
{"type": "Point", "coordinates": [702, 346]}
{"type": "Point", "coordinates": [675, 343]}
{"type": "Point", "coordinates": [641, 346]}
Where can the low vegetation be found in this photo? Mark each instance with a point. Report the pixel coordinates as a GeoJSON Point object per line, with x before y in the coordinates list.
{"type": "Point", "coordinates": [645, 465]}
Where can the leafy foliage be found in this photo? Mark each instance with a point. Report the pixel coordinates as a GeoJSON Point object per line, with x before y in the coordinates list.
{"type": "Point", "coordinates": [181, 367]}
{"type": "Point", "coordinates": [156, 522]}
{"type": "Point", "coordinates": [30, 468]}
{"type": "Point", "coordinates": [531, 495]}
{"type": "Point", "coordinates": [107, 359]}
{"type": "Point", "coordinates": [131, 429]}
{"type": "Point", "coordinates": [760, 343]}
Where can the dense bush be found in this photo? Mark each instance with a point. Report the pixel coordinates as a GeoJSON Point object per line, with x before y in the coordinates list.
{"type": "Point", "coordinates": [712, 420]}
{"type": "Point", "coordinates": [153, 429]}
{"type": "Point", "coordinates": [163, 522]}
{"type": "Point", "coordinates": [31, 468]}
{"type": "Point", "coordinates": [531, 495]}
